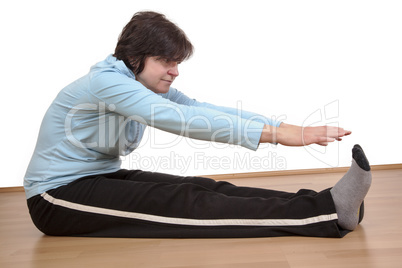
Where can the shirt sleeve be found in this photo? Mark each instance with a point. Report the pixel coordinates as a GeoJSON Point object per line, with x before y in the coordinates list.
{"type": "Point", "coordinates": [128, 97]}
{"type": "Point", "coordinates": [179, 97]}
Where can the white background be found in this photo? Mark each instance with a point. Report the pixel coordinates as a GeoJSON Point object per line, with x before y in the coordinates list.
{"type": "Point", "coordinates": [336, 62]}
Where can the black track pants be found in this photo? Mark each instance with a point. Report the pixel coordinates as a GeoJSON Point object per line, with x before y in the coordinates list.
{"type": "Point", "coordinates": [134, 203]}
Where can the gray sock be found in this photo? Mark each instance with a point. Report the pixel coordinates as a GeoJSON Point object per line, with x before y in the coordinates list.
{"type": "Point", "coordinates": [350, 191]}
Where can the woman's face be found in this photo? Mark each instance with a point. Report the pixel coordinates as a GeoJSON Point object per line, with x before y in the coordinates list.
{"type": "Point", "coordinates": [158, 74]}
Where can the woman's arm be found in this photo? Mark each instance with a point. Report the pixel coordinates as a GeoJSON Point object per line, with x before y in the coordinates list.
{"type": "Point", "coordinates": [291, 135]}
{"type": "Point", "coordinates": [124, 96]}
{"type": "Point", "coordinates": [274, 131]}
{"type": "Point", "coordinates": [179, 97]}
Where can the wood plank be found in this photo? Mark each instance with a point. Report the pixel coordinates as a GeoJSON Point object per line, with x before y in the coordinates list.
{"type": "Point", "coordinates": [377, 242]}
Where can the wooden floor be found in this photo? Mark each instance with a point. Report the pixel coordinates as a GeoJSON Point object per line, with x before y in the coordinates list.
{"type": "Point", "coordinates": [377, 242]}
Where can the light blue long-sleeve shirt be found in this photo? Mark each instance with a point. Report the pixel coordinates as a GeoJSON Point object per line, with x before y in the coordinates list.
{"type": "Point", "coordinates": [103, 115]}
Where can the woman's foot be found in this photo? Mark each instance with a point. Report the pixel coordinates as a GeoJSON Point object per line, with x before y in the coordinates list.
{"type": "Point", "coordinates": [350, 191]}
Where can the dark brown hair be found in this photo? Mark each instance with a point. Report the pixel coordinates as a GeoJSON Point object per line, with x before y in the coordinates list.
{"type": "Point", "coordinates": [150, 34]}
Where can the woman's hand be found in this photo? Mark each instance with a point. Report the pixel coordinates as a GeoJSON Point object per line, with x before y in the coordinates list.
{"type": "Point", "coordinates": [290, 135]}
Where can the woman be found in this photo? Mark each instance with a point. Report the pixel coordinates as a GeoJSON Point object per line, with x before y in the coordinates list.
{"type": "Point", "coordinates": [75, 186]}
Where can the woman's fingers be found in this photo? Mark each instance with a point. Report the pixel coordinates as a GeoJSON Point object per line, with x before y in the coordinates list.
{"type": "Point", "coordinates": [336, 132]}
{"type": "Point", "coordinates": [301, 136]}
{"type": "Point", "coordinates": [323, 135]}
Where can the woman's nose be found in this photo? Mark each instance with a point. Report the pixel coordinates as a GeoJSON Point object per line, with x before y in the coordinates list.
{"type": "Point", "coordinates": [174, 69]}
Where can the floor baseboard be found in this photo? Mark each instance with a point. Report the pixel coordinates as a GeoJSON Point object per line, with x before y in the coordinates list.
{"type": "Point", "coordinates": [296, 172]}
{"type": "Point", "coordinates": [259, 174]}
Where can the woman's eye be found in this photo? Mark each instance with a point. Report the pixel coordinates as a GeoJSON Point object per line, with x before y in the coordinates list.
{"type": "Point", "coordinates": [165, 61]}
{"type": "Point", "coordinates": [168, 61]}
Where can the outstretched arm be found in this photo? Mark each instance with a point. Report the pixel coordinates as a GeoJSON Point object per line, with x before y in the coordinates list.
{"type": "Point", "coordinates": [179, 97]}
{"type": "Point", "coordinates": [274, 131]}
{"type": "Point", "coordinates": [291, 135]}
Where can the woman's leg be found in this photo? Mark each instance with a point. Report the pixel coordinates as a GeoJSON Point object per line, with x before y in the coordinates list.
{"type": "Point", "coordinates": [216, 186]}
{"type": "Point", "coordinates": [143, 204]}
{"type": "Point", "coordinates": [107, 207]}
